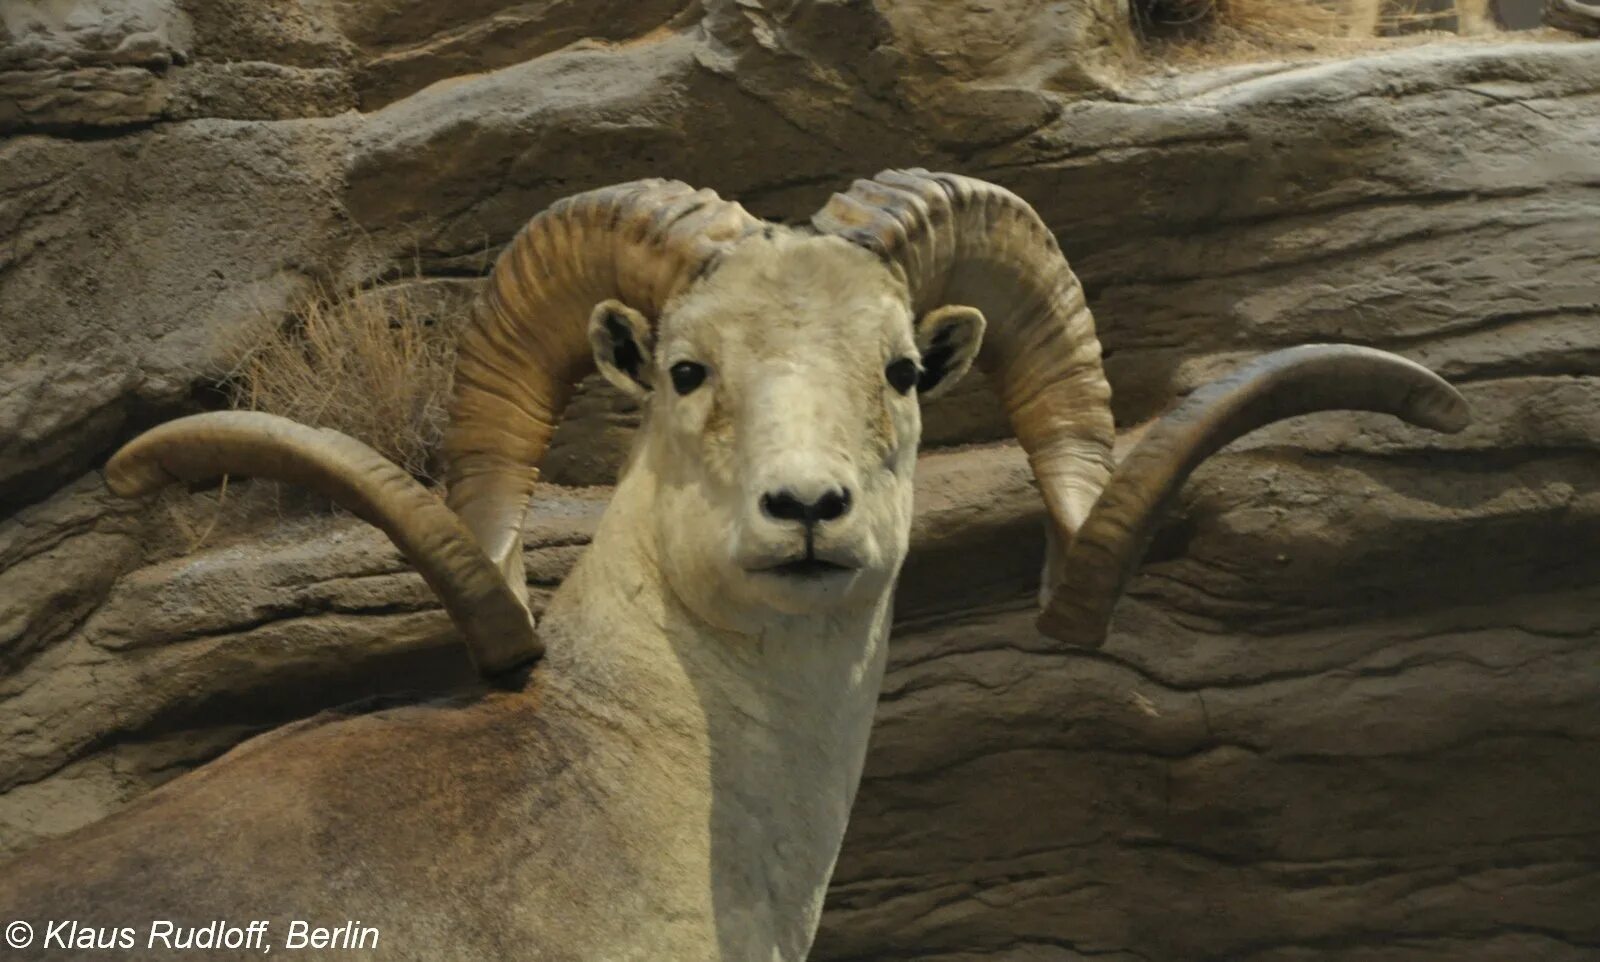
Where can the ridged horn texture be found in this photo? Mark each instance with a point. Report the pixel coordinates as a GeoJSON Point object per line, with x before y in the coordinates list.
{"type": "Point", "coordinates": [1300, 380]}
{"type": "Point", "coordinates": [956, 240]}
{"type": "Point", "coordinates": [527, 346]}
{"type": "Point", "coordinates": [495, 622]}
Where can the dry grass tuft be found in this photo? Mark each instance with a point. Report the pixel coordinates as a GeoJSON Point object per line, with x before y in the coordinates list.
{"type": "Point", "coordinates": [1259, 24]}
{"type": "Point", "coordinates": [375, 365]}
{"type": "Point", "coordinates": [1197, 31]}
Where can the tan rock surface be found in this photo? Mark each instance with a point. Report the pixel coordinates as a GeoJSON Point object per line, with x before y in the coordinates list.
{"type": "Point", "coordinates": [1349, 710]}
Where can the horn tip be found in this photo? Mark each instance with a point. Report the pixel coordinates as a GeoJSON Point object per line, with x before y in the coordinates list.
{"type": "Point", "coordinates": [129, 474]}
{"type": "Point", "coordinates": [515, 677]}
{"type": "Point", "coordinates": [1432, 402]}
{"type": "Point", "coordinates": [506, 646]}
{"type": "Point", "coordinates": [1445, 411]}
{"type": "Point", "coordinates": [1060, 626]}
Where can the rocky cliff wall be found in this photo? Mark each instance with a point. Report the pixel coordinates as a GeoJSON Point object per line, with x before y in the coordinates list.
{"type": "Point", "coordinates": [1350, 710]}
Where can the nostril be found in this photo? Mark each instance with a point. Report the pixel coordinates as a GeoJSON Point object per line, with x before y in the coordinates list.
{"type": "Point", "coordinates": [783, 506]}
{"type": "Point", "coordinates": [834, 504]}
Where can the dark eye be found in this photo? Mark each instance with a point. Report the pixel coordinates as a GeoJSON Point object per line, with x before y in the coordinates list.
{"type": "Point", "coordinates": [686, 376]}
{"type": "Point", "coordinates": [902, 374]}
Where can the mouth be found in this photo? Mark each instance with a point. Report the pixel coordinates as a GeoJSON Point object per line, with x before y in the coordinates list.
{"type": "Point", "coordinates": [807, 568]}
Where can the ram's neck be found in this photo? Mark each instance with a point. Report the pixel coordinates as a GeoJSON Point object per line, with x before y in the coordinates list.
{"type": "Point", "coordinates": [754, 742]}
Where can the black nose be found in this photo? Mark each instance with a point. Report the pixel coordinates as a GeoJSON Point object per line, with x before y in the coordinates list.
{"type": "Point", "coordinates": [785, 506]}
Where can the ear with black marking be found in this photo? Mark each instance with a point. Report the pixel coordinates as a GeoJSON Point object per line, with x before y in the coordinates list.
{"type": "Point", "coordinates": [949, 338]}
{"type": "Point", "coordinates": [623, 346]}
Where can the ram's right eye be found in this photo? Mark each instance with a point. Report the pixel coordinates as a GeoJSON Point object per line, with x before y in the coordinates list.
{"type": "Point", "coordinates": [686, 376]}
{"type": "Point", "coordinates": [902, 374]}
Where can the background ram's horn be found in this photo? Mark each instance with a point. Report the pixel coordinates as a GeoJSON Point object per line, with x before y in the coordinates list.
{"type": "Point", "coordinates": [1323, 377]}
{"type": "Point", "coordinates": [498, 629]}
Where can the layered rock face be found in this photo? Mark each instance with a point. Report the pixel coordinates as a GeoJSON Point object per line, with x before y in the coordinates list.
{"type": "Point", "coordinates": [1351, 707]}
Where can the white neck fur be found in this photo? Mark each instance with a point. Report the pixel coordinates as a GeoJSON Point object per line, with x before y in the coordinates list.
{"type": "Point", "coordinates": [754, 741]}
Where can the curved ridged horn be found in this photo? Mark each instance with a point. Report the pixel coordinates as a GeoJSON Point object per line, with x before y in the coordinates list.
{"type": "Point", "coordinates": [956, 240]}
{"type": "Point", "coordinates": [527, 346]}
{"type": "Point", "coordinates": [498, 629]}
{"type": "Point", "coordinates": [1279, 385]}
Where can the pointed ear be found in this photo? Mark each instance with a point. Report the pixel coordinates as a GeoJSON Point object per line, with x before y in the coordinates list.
{"type": "Point", "coordinates": [624, 348]}
{"type": "Point", "coordinates": [948, 338]}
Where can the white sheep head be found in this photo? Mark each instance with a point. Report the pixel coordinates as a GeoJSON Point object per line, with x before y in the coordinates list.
{"type": "Point", "coordinates": [782, 423]}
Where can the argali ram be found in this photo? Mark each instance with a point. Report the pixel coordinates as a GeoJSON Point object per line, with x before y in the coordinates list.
{"type": "Point", "coordinates": [663, 771]}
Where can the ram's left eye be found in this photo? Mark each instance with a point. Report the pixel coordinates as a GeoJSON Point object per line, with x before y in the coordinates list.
{"type": "Point", "coordinates": [902, 374]}
{"type": "Point", "coordinates": [686, 376]}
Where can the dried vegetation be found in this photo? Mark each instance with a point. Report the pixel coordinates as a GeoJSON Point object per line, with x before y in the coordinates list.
{"type": "Point", "coordinates": [375, 365]}
{"type": "Point", "coordinates": [1227, 30]}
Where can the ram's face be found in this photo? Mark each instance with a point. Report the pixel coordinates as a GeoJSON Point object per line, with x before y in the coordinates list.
{"type": "Point", "coordinates": [783, 423]}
